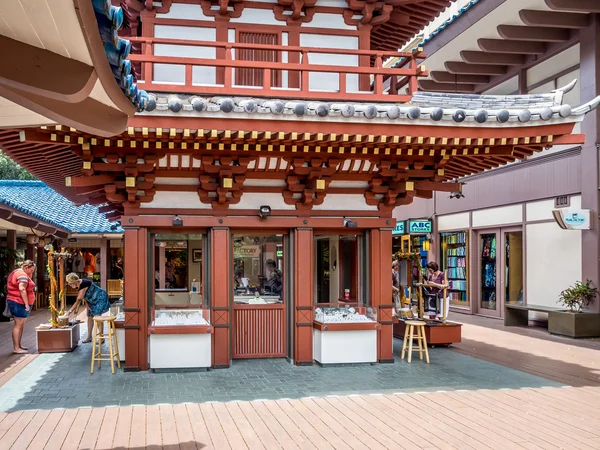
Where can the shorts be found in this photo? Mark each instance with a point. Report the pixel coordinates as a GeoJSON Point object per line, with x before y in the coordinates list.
{"type": "Point", "coordinates": [18, 309]}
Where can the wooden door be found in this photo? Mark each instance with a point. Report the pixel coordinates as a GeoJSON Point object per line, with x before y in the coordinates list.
{"type": "Point", "coordinates": [255, 77]}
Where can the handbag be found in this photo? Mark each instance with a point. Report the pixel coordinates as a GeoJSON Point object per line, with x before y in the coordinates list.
{"type": "Point", "coordinates": [7, 313]}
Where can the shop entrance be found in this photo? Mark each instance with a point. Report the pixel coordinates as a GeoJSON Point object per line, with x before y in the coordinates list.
{"type": "Point", "coordinates": [499, 270]}
{"type": "Point", "coordinates": [258, 296]}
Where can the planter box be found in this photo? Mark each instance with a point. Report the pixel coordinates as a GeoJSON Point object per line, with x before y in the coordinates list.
{"type": "Point", "coordinates": [180, 351]}
{"type": "Point", "coordinates": [344, 347]}
{"type": "Point", "coordinates": [55, 340]}
{"type": "Point", "coordinates": [435, 332]}
{"type": "Point", "coordinates": [577, 325]}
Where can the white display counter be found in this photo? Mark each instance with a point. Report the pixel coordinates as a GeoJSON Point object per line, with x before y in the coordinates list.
{"type": "Point", "coordinates": [345, 347]}
{"type": "Point", "coordinates": [121, 343]}
{"type": "Point", "coordinates": [180, 351]}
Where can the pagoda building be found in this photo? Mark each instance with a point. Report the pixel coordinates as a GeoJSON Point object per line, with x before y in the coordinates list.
{"type": "Point", "coordinates": [256, 189]}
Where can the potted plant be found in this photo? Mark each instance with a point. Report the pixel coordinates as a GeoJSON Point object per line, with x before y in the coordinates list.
{"type": "Point", "coordinates": [574, 322]}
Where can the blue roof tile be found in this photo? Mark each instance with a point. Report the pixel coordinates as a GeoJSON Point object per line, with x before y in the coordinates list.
{"type": "Point", "coordinates": [40, 201]}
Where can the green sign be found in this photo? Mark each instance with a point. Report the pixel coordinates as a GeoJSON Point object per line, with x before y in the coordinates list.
{"type": "Point", "coordinates": [419, 226]}
{"type": "Point", "coordinates": [400, 228]}
{"type": "Point", "coordinates": [279, 253]}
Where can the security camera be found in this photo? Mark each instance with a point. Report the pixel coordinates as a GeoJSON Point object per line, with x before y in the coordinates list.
{"type": "Point", "coordinates": [264, 211]}
{"type": "Point", "coordinates": [350, 224]}
{"type": "Point", "coordinates": [177, 221]}
{"type": "Point", "coordinates": [457, 195]}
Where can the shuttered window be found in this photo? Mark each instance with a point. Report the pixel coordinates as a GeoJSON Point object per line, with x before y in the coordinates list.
{"type": "Point", "coordinates": [255, 77]}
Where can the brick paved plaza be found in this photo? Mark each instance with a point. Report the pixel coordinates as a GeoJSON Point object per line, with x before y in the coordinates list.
{"type": "Point", "coordinates": [470, 396]}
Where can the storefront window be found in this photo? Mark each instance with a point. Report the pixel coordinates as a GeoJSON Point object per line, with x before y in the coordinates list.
{"type": "Point", "coordinates": [454, 250]}
{"type": "Point", "coordinates": [258, 268]}
{"type": "Point", "coordinates": [178, 269]}
{"type": "Point", "coordinates": [337, 266]}
{"type": "Point", "coordinates": [488, 271]}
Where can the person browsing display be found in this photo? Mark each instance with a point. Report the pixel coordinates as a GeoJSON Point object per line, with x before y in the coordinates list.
{"type": "Point", "coordinates": [20, 298]}
{"type": "Point", "coordinates": [95, 296]}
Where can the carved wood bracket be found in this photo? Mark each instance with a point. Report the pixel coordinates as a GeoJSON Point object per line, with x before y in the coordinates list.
{"type": "Point", "coordinates": [222, 180]}
{"type": "Point", "coordinates": [222, 10]}
{"type": "Point", "coordinates": [295, 12]}
{"type": "Point", "coordinates": [308, 182]}
{"type": "Point", "coordinates": [390, 187]}
{"type": "Point", "coordinates": [361, 13]}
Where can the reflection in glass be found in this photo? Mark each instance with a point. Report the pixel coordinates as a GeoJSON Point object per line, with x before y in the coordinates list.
{"type": "Point", "coordinates": [513, 282]}
{"type": "Point", "coordinates": [258, 268]}
{"type": "Point", "coordinates": [336, 269]}
{"type": "Point", "coordinates": [178, 269]}
{"type": "Point", "coordinates": [488, 271]}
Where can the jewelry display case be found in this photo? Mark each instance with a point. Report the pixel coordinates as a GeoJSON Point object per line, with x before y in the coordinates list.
{"type": "Point", "coordinates": [180, 338]}
{"type": "Point", "coordinates": [345, 334]}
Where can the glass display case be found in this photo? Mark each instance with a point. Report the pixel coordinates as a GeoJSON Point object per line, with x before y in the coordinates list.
{"type": "Point", "coordinates": [345, 314]}
{"type": "Point", "coordinates": [181, 317]}
{"type": "Point", "coordinates": [345, 334]}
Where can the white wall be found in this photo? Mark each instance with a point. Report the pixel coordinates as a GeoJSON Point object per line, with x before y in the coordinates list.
{"type": "Point", "coordinates": [553, 262]}
{"type": "Point", "coordinates": [453, 222]}
{"type": "Point", "coordinates": [172, 73]}
{"type": "Point", "coordinates": [323, 81]}
{"type": "Point", "coordinates": [166, 199]}
{"type": "Point", "coordinates": [498, 216]}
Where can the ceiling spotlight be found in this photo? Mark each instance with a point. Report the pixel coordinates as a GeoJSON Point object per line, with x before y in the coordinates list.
{"type": "Point", "coordinates": [264, 211]}
{"type": "Point", "coordinates": [457, 195]}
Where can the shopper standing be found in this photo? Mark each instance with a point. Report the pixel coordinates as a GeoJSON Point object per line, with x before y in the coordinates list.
{"type": "Point", "coordinates": [20, 298]}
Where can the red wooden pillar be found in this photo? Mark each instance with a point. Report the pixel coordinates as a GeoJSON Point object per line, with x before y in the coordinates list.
{"type": "Point", "coordinates": [303, 296]}
{"type": "Point", "coordinates": [381, 290]}
{"type": "Point", "coordinates": [11, 242]}
{"type": "Point", "coordinates": [136, 299]}
{"type": "Point", "coordinates": [30, 252]}
{"type": "Point", "coordinates": [220, 293]}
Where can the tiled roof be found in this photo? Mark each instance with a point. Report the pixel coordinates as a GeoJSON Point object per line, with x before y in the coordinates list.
{"type": "Point", "coordinates": [110, 20]}
{"type": "Point", "coordinates": [434, 107]}
{"type": "Point", "coordinates": [42, 202]}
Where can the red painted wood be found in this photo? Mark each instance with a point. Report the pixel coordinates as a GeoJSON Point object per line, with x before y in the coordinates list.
{"type": "Point", "coordinates": [303, 297]}
{"type": "Point", "coordinates": [220, 287]}
{"type": "Point", "coordinates": [259, 331]}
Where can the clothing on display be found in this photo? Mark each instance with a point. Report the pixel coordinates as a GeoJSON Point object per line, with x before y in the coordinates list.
{"type": "Point", "coordinates": [90, 263]}
{"type": "Point", "coordinates": [78, 262]}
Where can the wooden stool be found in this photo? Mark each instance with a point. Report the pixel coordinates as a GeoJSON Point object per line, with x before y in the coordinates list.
{"type": "Point", "coordinates": [98, 339]}
{"type": "Point", "coordinates": [420, 337]}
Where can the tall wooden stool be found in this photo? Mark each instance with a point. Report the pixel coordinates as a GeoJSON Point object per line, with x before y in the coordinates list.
{"type": "Point", "coordinates": [98, 339]}
{"type": "Point", "coordinates": [420, 337]}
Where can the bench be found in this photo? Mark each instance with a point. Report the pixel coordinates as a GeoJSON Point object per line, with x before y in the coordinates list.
{"type": "Point", "coordinates": [518, 315]}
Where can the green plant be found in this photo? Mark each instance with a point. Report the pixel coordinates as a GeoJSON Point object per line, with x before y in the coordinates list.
{"type": "Point", "coordinates": [578, 296]}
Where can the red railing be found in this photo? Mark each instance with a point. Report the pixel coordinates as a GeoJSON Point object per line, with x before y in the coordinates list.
{"type": "Point", "coordinates": [290, 79]}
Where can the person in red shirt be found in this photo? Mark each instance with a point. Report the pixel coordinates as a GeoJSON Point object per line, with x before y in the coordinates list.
{"type": "Point", "coordinates": [20, 297]}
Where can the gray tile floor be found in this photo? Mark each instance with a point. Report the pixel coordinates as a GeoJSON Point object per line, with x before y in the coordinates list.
{"type": "Point", "coordinates": [64, 381]}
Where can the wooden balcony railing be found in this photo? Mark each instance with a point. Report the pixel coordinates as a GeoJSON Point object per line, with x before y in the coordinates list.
{"type": "Point", "coordinates": [282, 71]}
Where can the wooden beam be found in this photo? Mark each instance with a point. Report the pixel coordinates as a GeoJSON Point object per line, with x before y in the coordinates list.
{"type": "Point", "coordinates": [451, 78]}
{"type": "Point", "coordinates": [534, 34]}
{"type": "Point", "coordinates": [513, 47]}
{"type": "Point", "coordinates": [94, 180]}
{"type": "Point", "coordinates": [502, 59]}
{"type": "Point", "coordinates": [590, 6]}
{"type": "Point", "coordinates": [432, 86]}
{"type": "Point", "coordinates": [474, 69]}
{"type": "Point", "coordinates": [551, 19]}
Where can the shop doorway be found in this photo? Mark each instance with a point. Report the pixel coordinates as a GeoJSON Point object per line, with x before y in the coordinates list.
{"type": "Point", "coordinates": [259, 286]}
{"type": "Point", "coordinates": [499, 270]}
{"type": "Point", "coordinates": [337, 266]}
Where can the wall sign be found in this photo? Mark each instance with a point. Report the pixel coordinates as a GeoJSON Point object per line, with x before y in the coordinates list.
{"type": "Point", "coordinates": [400, 228]}
{"type": "Point", "coordinates": [246, 251]}
{"type": "Point", "coordinates": [572, 219]}
{"type": "Point", "coordinates": [564, 201]}
{"type": "Point", "coordinates": [419, 226]}
{"type": "Point", "coordinates": [279, 253]}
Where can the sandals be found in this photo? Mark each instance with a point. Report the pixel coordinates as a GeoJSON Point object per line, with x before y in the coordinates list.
{"type": "Point", "coordinates": [88, 340]}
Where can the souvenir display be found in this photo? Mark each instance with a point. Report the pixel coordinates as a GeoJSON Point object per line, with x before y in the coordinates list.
{"type": "Point", "coordinates": [345, 315]}
{"type": "Point", "coordinates": [177, 317]}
